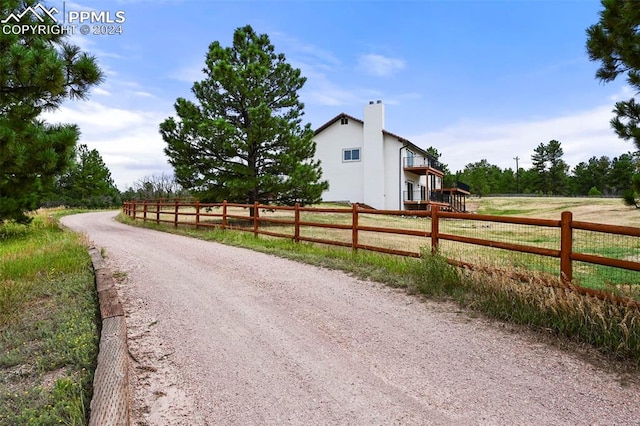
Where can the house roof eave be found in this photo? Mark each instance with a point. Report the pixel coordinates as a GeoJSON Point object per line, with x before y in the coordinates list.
{"type": "Point", "coordinates": [334, 119]}
{"type": "Point", "coordinates": [405, 141]}
{"type": "Point", "coordinates": [408, 143]}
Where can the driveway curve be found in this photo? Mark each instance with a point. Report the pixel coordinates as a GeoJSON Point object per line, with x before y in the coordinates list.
{"type": "Point", "coordinates": [224, 335]}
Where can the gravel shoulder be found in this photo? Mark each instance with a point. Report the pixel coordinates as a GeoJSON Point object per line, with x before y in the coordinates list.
{"type": "Point", "coordinates": [223, 335]}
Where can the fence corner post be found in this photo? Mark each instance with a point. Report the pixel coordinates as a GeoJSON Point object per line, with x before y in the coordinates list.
{"type": "Point", "coordinates": [296, 220]}
{"type": "Point", "coordinates": [175, 214]}
{"type": "Point", "coordinates": [566, 247]}
{"type": "Point", "coordinates": [354, 227]}
{"type": "Point", "coordinates": [434, 229]}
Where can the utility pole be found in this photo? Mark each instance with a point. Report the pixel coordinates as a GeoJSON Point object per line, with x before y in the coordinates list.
{"type": "Point", "coordinates": [517, 174]}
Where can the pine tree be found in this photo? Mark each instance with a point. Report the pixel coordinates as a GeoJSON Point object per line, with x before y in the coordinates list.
{"type": "Point", "coordinates": [87, 182]}
{"type": "Point", "coordinates": [551, 170]}
{"type": "Point", "coordinates": [38, 71]}
{"type": "Point", "coordinates": [615, 42]}
{"type": "Point", "coordinates": [243, 140]}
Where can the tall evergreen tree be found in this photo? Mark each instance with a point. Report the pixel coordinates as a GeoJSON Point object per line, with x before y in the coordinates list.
{"type": "Point", "coordinates": [87, 182]}
{"type": "Point", "coordinates": [615, 42]}
{"type": "Point", "coordinates": [243, 139]}
{"type": "Point", "coordinates": [594, 174]}
{"type": "Point", "coordinates": [620, 178]}
{"type": "Point", "coordinates": [38, 71]}
{"type": "Point", "coordinates": [539, 165]}
{"type": "Point", "coordinates": [550, 168]}
{"type": "Point", "coordinates": [481, 177]}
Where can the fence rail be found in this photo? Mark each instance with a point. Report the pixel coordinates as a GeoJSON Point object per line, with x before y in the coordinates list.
{"type": "Point", "coordinates": [287, 222]}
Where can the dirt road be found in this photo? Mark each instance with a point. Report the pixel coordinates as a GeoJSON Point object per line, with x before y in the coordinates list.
{"type": "Point", "coordinates": [222, 335]}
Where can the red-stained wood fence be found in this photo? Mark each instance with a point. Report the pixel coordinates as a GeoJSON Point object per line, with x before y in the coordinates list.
{"type": "Point", "coordinates": [200, 215]}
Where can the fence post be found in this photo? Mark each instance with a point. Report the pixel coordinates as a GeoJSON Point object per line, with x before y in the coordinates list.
{"type": "Point", "coordinates": [224, 214]}
{"type": "Point", "coordinates": [158, 212]}
{"type": "Point", "coordinates": [296, 232]}
{"type": "Point", "coordinates": [434, 229]}
{"type": "Point", "coordinates": [144, 212]}
{"type": "Point", "coordinates": [134, 211]}
{"type": "Point", "coordinates": [256, 218]}
{"type": "Point", "coordinates": [354, 226]}
{"type": "Point", "coordinates": [175, 215]}
{"type": "Point", "coordinates": [566, 247]}
{"type": "Point", "coordinates": [197, 214]}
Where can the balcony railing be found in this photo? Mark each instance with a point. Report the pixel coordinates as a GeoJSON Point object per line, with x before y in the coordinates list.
{"type": "Point", "coordinates": [418, 195]}
{"type": "Point", "coordinates": [462, 186]}
{"type": "Point", "coordinates": [421, 162]}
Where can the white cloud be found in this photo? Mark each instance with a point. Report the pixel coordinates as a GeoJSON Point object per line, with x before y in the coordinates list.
{"type": "Point", "coordinates": [321, 58]}
{"type": "Point", "coordinates": [582, 135]}
{"type": "Point", "coordinates": [320, 91]}
{"type": "Point", "coordinates": [402, 97]}
{"type": "Point", "coordinates": [379, 65]}
{"type": "Point", "coordinates": [189, 73]}
{"type": "Point", "coordinates": [97, 117]}
{"type": "Point", "coordinates": [625, 93]}
{"type": "Point", "coordinates": [100, 92]}
{"type": "Point", "coordinates": [143, 94]}
{"type": "Point", "coordinates": [128, 140]}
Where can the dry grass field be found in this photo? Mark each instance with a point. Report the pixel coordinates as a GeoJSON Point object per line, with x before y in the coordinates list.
{"type": "Point", "coordinates": [611, 211]}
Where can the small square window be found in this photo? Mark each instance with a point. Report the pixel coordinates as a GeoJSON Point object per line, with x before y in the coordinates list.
{"type": "Point", "coordinates": [351, 154]}
{"type": "Point", "coordinates": [344, 120]}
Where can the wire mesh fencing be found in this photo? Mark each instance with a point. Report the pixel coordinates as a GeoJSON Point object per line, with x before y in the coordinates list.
{"type": "Point", "coordinates": [590, 254]}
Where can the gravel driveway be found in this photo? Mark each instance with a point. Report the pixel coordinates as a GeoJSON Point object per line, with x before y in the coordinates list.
{"type": "Point", "coordinates": [223, 335]}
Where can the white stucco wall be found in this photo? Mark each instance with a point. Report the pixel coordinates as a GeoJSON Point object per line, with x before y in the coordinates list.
{"type": "Point", "coordinates": [393, 175]}
{"type": "Point", "coordinates": [345, 178]}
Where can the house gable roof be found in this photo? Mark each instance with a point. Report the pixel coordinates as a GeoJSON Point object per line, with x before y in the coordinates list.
{"type": "Point", "coordinates": [336, 118]}
{"type": "Point", "coordinates": [405, 141]}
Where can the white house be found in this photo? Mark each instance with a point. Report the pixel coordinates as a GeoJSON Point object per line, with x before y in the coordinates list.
{"type": "Point", "coordinates": [365, 163]}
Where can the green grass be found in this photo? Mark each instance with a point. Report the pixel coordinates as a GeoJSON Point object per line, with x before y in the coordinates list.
{"type": "Point", "coordinates": [49, 325]}
{"type": "Point", "coordinates": [542, 303]}
{"type": "Point", "coordinates": [503, 212]}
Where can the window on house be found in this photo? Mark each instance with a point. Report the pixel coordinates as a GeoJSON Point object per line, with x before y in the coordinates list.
{"type": "Point", "coordinates": [344, 120]}
{"type": "Point", "coordinates": [351, 154]}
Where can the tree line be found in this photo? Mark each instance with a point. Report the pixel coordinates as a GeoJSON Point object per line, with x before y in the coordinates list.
{"type": "Point", "coordinates": [549, 174]}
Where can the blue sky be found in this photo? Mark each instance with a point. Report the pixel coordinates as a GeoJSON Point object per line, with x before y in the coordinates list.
{"type": "Point", "coordinates": [474, 79]}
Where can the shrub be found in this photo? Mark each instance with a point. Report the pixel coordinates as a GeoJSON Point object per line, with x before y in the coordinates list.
{"type": "Point", "coordinates": [594, 192]}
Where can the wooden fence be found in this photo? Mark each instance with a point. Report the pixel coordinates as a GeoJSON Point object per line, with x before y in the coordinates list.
{"type": "Point", "coordinates": [203, 215]}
